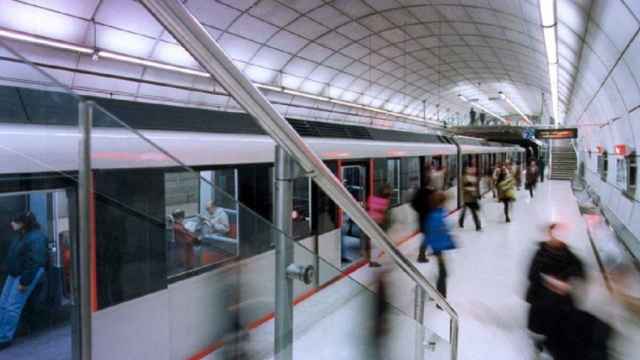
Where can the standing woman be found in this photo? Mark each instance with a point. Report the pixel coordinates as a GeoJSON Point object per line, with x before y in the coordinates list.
{"type": "Point", "coordinates": [532, 177]}
{"type": "Point", "coordinates": [25, 265]}
{"type": "Point", "coordinates": [506, 191]}
{"type": "Point", "coordinates": [494, 179]}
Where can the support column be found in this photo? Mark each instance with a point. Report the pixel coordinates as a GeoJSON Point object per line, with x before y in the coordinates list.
{"type": "Point", "coordinates": [418, 315]}
{"type": "Point", "coordinates": [85, 123]}
{"type": "Point", "coordinates": [284, 166]}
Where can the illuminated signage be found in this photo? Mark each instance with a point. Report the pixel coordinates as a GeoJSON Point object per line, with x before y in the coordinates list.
{"type": "Point", "coordinates": [621, 149]}
{"type": "Point", "coordinates": [556, 133]}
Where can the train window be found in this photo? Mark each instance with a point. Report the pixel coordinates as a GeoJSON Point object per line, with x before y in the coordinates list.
{"type": "Point", "coordinates": [632, 173]}
{"type": "Point", "coordinates": [621, 172]}
{"type": "Point", "coordinates": [202, 218]}
{"type": "Point", "coordinates": [301, 216]}
{"type": "Point", "coordinates": [603, 165]}
{"type": "Point", "coordinates": [452, 170]}
{"type": "Point", "coordinates": [387, 171]}
{"type": "Point", "coordinates": [410, 177]}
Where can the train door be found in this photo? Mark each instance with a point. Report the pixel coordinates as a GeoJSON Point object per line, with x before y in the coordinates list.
{"type": "Point", "coordinates": [354, 178]}
{"type": "Point", "coordinates": [45, 321]}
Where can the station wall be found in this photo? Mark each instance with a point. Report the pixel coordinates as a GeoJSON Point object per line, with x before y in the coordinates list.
{"type": "Point", "coordinates": [605, 104]}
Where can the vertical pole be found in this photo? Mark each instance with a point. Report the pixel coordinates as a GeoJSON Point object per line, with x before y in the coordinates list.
{"type": "Point", "coordinates": [85, 120]}
{"type": "Point", "coordinates": [418, 315]}
{"type": "Point", "coordinates": [284, 256]}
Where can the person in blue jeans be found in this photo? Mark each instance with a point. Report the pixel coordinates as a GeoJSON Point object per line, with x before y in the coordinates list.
{"type": "Point", "coordinates": [25, 266]}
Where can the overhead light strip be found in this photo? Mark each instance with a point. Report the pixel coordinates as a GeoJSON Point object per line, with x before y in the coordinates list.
{"type": "Point", "coordinates": [18, 36]}
{"type": "Point", "coordinates": [513, 105]}
{"type": "Point", "coordinates": [32, 39]}
{"type": "Point", "coordinates": [548, 14]}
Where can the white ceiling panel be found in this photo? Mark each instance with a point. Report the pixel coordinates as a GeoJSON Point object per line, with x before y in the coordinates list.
{"type": "Point", "coordinates": [128, 15]}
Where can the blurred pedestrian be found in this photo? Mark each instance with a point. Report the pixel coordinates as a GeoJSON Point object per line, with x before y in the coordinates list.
{"type": "Point", "coordinates": [470, 196]}
{"type": "Point", "coordinates": [541, 164]}
{"type": "Point", "coordinates": [506, 191]}
{"type": "Point", "coordinates": [517, 174]}
{"type": "Point", "coordinates": [553, 268]}
{"type": "Point", "coordinates": [531, 177]}
{"type": "Point", "coordinates": [378, 209]}
{"type": "Point", "coordinates": [494, 179]}
{"type": "Point", "coordinates": [438, 237]}
{"type": "Point", "coordinates": [420, 203]}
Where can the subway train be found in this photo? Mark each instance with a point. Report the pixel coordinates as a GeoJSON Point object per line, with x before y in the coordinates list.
{"type": "Point", "coordinates": [180, 171]}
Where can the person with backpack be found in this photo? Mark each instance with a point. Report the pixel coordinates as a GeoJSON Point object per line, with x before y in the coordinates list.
{"type": "Point", "coordinates": [437, 237]}
{"type": "Point", "coordinates": [506, 191]}
{"type": "Point", "coordinates": [25, 264]}
{"type": "Point", "coordinates": [470, 196]}
{"type": "Point", "coordinates": [378, 209]}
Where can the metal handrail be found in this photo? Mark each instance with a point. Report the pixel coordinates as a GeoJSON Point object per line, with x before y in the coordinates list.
{"type": "Point", "coordinates": [188, 31]}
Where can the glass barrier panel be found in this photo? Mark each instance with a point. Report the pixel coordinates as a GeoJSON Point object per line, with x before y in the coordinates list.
{"type": "Point", "coordinates": [38, 196]}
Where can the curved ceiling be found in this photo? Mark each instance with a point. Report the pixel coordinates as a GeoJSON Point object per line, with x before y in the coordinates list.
{"type": "Point", "coordinates": [399, 55]}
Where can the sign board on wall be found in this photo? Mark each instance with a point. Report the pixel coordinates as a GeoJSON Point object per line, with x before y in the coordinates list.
{"type": "Point", "coordinates": [554, 134]}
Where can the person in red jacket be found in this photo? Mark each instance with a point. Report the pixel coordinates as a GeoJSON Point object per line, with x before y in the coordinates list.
{"type": "Point", "coordinates": [378, 209]}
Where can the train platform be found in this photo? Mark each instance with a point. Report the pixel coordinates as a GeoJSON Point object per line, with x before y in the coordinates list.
{"type": "Point", "coordinates": [486, 286]}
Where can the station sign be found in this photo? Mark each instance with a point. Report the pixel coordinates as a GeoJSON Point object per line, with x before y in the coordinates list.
{"type": "Point", "coordinates": [555, 134]}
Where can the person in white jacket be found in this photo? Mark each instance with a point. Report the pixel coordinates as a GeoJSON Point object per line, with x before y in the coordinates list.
{"type": "Point", "coordinates": [215, 220]}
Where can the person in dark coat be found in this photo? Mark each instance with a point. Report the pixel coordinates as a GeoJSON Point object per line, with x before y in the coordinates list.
{"type": "Point", "coordinates": [531, 177]}
{"type": "Point", "coordinates": [420, 203]}
{"type": "Point", "coordinates": [552, 270]}
{"type": "Point", "coordinates": [541, 165]}
{"type": "Point", "coordinates": [25, 265]}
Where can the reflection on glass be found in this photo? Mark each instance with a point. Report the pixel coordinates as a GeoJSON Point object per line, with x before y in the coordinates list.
{"type": "Point", "coordinates": [202, 220]}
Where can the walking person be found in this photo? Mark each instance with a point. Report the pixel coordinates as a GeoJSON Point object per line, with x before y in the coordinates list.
{"type": "Point", "coordinates": [494, 180]}
{"type": "Point", "coordinates": [517, 174]}
{"type": "Point", "coordinates": [25, 264]}
{"type": "Point", "coordinates": [470, 196]}
{"type": "Point", "coordinates": [420, 203]}
{"type": "Point", "coordinates": [531, 177]}
{"type": "Point", "coordinates": [506, 191]}
{"type": "Point", "coordinates": [378, 209]}
{"type": "Point", "coordinates": [553, 269]}
{"type": "Point", "coordinates": [541, 164]}
{"type": "Point", "coordinates": [437, 237]}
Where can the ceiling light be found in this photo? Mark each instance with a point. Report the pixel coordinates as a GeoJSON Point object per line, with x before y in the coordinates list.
{"type": "Point", "coordinates": [548, 12]}
{"type": "Point", "coordinates": [268, 87]}
{"type": "Point", "coordinates": [463, 98]}
{"type": "Point", "coordinates": [506, 98]}
{"type": "Point", "coordinates": [307, 95]}
{"type": "Point", "coordinates": [14, 35]}
{"type": "Point", "coordinates": [150, 63]}
{"type": "Point", "coordinates": [551, 44]}
{"type": "Point", "coordinates": [346, 103]}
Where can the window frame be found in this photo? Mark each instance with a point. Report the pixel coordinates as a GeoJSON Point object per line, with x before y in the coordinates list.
{"type": "Point", "coordinates": [631, 164]}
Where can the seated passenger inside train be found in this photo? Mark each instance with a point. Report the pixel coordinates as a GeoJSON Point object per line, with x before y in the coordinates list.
{"type": "Point", "coordinates": [215, 220]}
{"type": "Point", "coordinates": [184, 239]}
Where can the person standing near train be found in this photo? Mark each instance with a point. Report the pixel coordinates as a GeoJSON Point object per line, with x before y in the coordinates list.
{"type": "Point", "coordinates": [378, 209]}
{"type": "Point", "coordinates": [420, 203]}
{"type": "Point", "coordinates": [470, 196]}
{"type": "Point", "coordinates": [506, 191]}
{"type": "Point", "coordinates": [25, 265]}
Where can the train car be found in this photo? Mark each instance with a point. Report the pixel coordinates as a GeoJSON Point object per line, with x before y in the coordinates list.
{"type": "Point", "coordinates": [183, 170]}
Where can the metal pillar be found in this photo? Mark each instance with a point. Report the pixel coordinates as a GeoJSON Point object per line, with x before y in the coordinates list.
{"type": "Point", "coordinates": [85, 184]}
{"type": "Point", "coordinates": [418, 315]}
{"type": "Point", "coordinates": [284, 166]}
